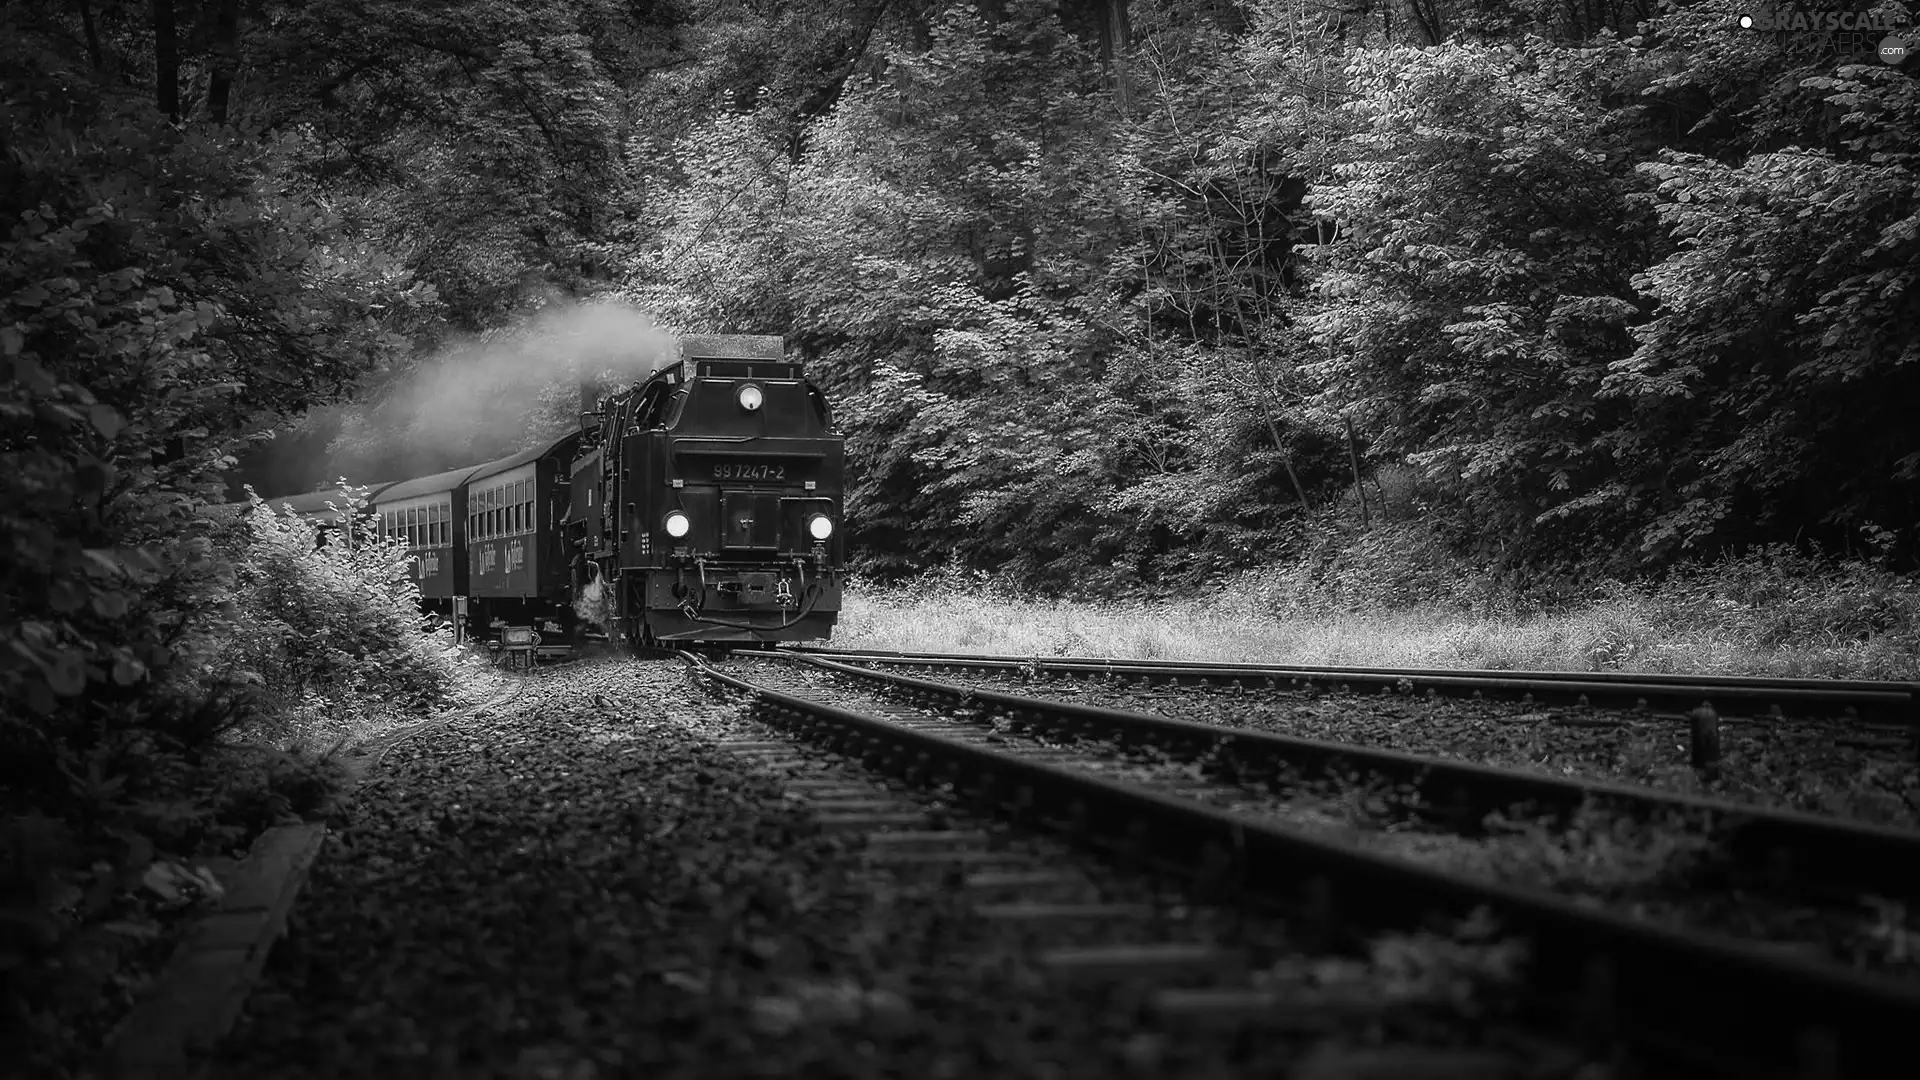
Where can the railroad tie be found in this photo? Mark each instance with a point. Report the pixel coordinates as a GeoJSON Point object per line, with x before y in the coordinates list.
{"type": "Point", "coordinates": [951, 856]}
{"type": "Point", "coordinates": [858, 803]}
{"type": "Point", "coordinates": [1037, 911]}
{"type": "Point", "coordinates": [847, 822]}
{"type": "Point", "coordinates": [1224, 1007]}
{"type": "Point", "coordinates": [927, 839]}
{"type": "Point", "coordinates": [1013, 884]}
{"type": "Point", "coordinates": [1112, 962]}
{"type": "Point", "coordinates": [827, 787]}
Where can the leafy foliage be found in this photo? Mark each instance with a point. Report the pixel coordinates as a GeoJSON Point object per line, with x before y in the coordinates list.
{"type": "Point", "coordinates": [1481, 288]}
{"type": "Point", "coordinates": [336, 616]}
{"type": "Point", "coordinates": [167, 294]}
{"type": "Point", "coordinates": [1782, 342]}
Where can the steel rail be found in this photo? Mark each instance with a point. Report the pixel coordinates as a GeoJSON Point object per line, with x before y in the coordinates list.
{"type": "Point", "coordinates": [1835, 855]}
{"type": "Point", "coordinates": [1890, 701]}
{"type": "Point", "coordinates": [1711, 1002]}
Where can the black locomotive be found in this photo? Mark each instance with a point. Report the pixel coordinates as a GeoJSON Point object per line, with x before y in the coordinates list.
{"type": "Point", "coordinates": [706, 501]}
{"type": "Point", "coordinates": [702, 504]}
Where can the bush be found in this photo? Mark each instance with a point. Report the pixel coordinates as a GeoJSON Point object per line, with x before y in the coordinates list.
{"type": "Point", "coordinates": [328, 621]}
{"type": "Point", "coordinates": [1342, 568]}
{"type": "Point", "coordinates": [1776, 595]}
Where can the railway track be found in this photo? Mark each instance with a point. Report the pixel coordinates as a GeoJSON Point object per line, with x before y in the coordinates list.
{"type": "Point", "coordinates": [1842, 857]}
{"type": "Point", "coordinates": [1895, 704]}
{"type": "Point", "coordinates": [1701, 1004]}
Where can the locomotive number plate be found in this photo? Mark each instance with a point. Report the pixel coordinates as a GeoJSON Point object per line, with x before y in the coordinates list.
{"type": "Point", "coordinates": [727, 470]}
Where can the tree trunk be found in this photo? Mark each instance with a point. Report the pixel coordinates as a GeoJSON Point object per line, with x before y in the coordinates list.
{"type": "Point", "coordinates": [166, 59]}
{"type": "Point", "coordinates": [1426, 14]}
{"type": "Point", "coordinates": [226, 58]}
{"type": "Point", "coordinates": [1116, 34]}
{"type": "Point", "coordinates": [87, 26]}
{"type": "Point", "coordinates": [1359, 485]}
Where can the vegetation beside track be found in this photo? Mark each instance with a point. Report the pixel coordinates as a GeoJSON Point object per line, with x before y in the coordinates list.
{"type": "Point", "coordinates": [1390, 599]}
{"type": "Point", "coordinates": [114, 834]}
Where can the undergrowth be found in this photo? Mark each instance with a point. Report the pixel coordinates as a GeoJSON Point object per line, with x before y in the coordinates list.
{"type": "Point", "coordinates": [130, 779]}
{"type": "Point", "coordinates": [1394, 595]}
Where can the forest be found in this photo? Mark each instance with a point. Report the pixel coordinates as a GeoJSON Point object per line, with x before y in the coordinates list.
{"type": "Point", "coordinates": [1113, 297]}
{"type": "Point", "coordinates": [1111, 294]}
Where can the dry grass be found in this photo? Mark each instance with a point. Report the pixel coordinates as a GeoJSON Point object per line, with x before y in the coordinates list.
{"type": "Point", "coordinates": [1628, 631]}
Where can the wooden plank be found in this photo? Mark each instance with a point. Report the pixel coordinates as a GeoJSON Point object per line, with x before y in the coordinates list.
{"type": "Point", "coordinates": [199, 995]}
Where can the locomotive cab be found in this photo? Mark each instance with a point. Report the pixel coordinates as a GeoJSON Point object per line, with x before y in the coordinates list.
{"type": "Point", "coordinates": [709, 510]}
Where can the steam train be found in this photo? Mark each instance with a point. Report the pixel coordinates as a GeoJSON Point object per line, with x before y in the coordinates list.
{"type": "Point", "coordinates": [701, 504]}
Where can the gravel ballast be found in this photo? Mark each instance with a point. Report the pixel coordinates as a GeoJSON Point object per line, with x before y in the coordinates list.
{"type": "Point", "coordinates": [1831, 766]}
{"type": "Point", "coordinates": [585, 884]}
{"type": "Point", "coordinates": [1658, 872]}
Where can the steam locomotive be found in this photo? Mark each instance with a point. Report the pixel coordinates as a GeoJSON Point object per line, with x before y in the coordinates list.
{"type": "Point", "coordinates": [702, 504]}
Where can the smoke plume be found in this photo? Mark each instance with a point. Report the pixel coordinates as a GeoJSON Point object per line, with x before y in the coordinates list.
{"type": "Point", "coordinates": [509, 389]}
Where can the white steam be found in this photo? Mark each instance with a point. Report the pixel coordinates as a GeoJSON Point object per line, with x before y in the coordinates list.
{"type": "Point", "coordinates": [513, 387]}
{"type": "Point", "coordinates": [592, 605]}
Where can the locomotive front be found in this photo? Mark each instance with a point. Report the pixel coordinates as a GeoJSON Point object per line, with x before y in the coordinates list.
{"type": "Point", "coordinates": [707, 500]}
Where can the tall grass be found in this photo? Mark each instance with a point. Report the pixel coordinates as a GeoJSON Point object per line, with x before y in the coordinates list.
{"type": "Point", "coordinates": [1391, 599]}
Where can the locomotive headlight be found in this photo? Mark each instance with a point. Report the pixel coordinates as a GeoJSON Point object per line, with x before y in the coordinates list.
{"type": "Point", "coordinates": [677, 525]}
{"type": "Point", "coordinates": [750, 397]}
{"type": "Point", "coordinates": [819, 526]}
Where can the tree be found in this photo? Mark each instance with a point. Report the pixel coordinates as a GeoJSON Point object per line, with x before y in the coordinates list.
{"type": "Point", "coordinates": [1482, 287]}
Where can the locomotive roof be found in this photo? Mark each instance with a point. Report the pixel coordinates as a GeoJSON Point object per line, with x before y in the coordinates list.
{"type": "Point", "coordinates": [429, 485]}
{"type": "Point", "coordinates": [494, 468]}
{"type": "Point", "coordinates": [733, 347]}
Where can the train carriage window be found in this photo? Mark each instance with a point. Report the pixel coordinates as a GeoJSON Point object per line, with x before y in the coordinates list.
{"type": "Point", "coordinates": [433, 525]}
{"type": "Point", "coordinates": [527, 518]}
{"type": "Point", "coordinates": [446, 523]}
{"type": "Point", "coordinates": [512, 507]}
{"type": "Point", "coordinates": [413, 526]}
{"type": "Point", "coordinates": [520, 497]}
{"type": "Point", "coordinates": [406, 526]}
